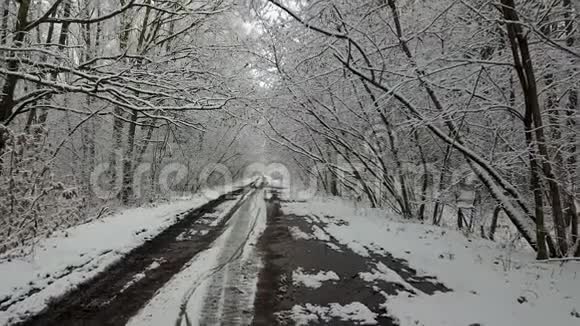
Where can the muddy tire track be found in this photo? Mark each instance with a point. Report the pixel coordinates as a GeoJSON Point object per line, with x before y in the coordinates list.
{"type": "Point", "coordinates": [228, 297]}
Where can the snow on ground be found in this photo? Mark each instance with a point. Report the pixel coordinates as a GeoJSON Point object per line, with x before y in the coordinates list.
{"type": "Point", "coordinates": [319, 233]}
{"type": "Point", "coordinates": [383, 273]}
{"type": "Point", "coordinates": [139, 276]}
{"type": "Point", "coordinates": [299, 234]}
{"type": "Point", "coordinates": [188, 288]}
{"type": "Point", "coordinates": [491, 285]}
{"type": "Point", "coordinates": [313, 280]}
{"type": "Point", "coordinates": [74, 255]}
{"type": "Point", "coordinates": [355, 312]}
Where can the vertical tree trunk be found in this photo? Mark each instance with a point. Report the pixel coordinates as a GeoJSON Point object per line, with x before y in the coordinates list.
{"type": "Point", "coordinates": [128, 162]}
{"type": "Point", "coordinates": [524, 66]}
{"type": "Point", "coordinates": [142, 32]}
{"type": "Point", "coordinates": [119, 166]}
{"type": "Point", "coordinates": [130, 165]}
{"type": "Point", "coordinates": [62, 41]}
{"type": "Point", "coordinates": [117, 146]}
{"type": "Point", "coordinates": [494, 220]}
{"type": "Point", "coordinates": [536, 188]}
{"type": "Point", "coordinates": [332, 178]}
{"type": "Point", "coordinates": [473, 210]}
{"type": "Point", "coordinates": [7, 101]}
{"type": "Point", "coordinates": [146, 141]}
{"type": "Point", "coordinates": [33, 116]}
{"type": "Point", "coordinates": [5, 11]}
{"type": "Point", "coordinates": [443, 179]}
{"type": "Point", "coordinates": [88, 132]}
{"type": "Point", "coordinates": [425, 184]}
{"type": "Point", "coordinates": [571, 164]}
{"type": "Point", "coordinates": [460, 218]}
{"type": "Point", "coordinates": [64, 29]}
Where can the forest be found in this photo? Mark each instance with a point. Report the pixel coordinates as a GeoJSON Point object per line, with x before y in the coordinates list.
{"type": "Point", "coordinates": [461, 112]}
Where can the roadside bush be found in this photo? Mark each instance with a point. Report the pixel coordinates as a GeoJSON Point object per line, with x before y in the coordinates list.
{"type": "Point", "coordinates": [33, 203]}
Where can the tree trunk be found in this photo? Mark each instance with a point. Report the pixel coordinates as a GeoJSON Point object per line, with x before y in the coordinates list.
{"type": "Point", "coordinates": [494, 220]}
{"type": "Point", "coordinates": [460, 218]}
{"type": "Point", "coordinates": [536, 187]}
{"type": "Point", "coordinates": [523, 64]}
{"type": "Point", "coordinates": [62, 41]}
{"type": "Point", "coordinates": [32, 115]}
{"type": "Point", "coordinates": [571, 164]}
{"type": "Point", "coordinates": [425, 184]}
{"type": "Point", "coordinates": [128, 161]}
{"type": "Point", "coordinates": [119, 166]}
{"type": "Point", "coordinates": [7, 101]}
{"type": "Point", "coordinates": [142, 32]}
{"type": "Point", "coordinates": [5, 10]}
{"type": "Point", "coordinates": [437, 211]}
{"type": "Point", "coordinates": [146, 141]}
{"type": "Point", "coordinates": [332, 178]}
{"type": "Point", "coordinates": [117, 146]}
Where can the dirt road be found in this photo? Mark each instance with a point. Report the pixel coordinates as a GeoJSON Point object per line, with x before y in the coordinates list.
{"type": "Point", "coordinates": [236, 261]}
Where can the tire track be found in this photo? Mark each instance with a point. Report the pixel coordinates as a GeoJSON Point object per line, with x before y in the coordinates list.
{"type": "Point", "coordinates": [227, 297]}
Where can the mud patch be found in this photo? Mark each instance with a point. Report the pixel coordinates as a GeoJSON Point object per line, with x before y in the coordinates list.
{"type": "Point", "coordinates": [271, 289]}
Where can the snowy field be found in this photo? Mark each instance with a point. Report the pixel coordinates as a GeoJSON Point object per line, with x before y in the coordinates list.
{"type": "Point", "coordinates": [490, 285]}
